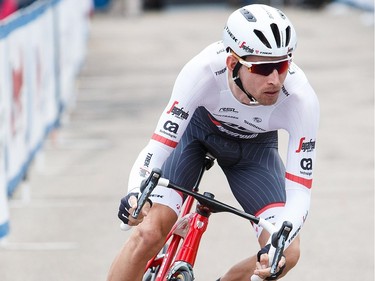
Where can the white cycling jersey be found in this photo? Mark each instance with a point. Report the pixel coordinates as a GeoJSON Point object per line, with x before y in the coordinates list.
{"type": "Point", "coordinates": [203, 81]}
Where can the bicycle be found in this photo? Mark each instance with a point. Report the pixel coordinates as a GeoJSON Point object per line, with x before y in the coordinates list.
{"type": "Point", "coordinates": [175, 262]}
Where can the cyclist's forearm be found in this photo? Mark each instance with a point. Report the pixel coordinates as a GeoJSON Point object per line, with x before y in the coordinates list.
{"type": "Point", "coordinates": [296, 211]}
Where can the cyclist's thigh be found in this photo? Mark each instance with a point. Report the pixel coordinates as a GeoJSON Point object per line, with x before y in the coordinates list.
{"type": "Point", "coordinates": [182, 167]}
{"type": "Point", "coordinates": [257, 180]}
{"type": "Point", "coordinates": [184, 164]}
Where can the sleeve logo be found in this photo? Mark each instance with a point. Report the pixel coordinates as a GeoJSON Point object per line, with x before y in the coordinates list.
{"type": "Point", "coordinates": [171, 127]}
{"type": "Point", "coordinates": [306, 164]}
{"type": "Point", "coordinates": [307, 146]}
{"type": "Point", "coordinates": [178, 112]}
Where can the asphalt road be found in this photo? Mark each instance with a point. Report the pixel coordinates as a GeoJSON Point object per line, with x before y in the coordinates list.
{"type": "Point", "coordinates": [63, 221]}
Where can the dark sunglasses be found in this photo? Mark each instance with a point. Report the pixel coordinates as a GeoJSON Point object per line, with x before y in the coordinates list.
{"type": "Point", "coordinates": [265, 68]}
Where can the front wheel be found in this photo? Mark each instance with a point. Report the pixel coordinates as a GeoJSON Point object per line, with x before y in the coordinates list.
{"type": "Point", "coordinates": [181, 271]}
{"type": "Point", "coordinates": [182, 275]}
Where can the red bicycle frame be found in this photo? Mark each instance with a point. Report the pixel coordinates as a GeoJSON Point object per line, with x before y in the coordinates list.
{"type": "Point", "coordinates": [185, 236]}
{"type": "Point", "coordinates": [187, 231]}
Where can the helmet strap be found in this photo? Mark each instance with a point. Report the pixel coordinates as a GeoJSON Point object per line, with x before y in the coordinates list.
{"type": "Point", "coordinates": [236, 78]}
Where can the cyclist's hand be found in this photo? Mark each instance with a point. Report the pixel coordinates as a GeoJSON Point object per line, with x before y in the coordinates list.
{"type": "Point", "coordinates": [128, 205]}
{"type": "Point", "coordinates": [263, 270]}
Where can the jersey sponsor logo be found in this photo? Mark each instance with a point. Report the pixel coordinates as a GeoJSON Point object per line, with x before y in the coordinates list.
{"type": "Point", "coordinates": [299, 228]}
{"type": "Point", "coordinates": [236, 127]}
{"type": "Point", "coordinates": [143, 171]}
{"type": "Point", "coordinates": [153, 195]}
{"type": "Point", "coordinates": [178, 207]}
{"type": "Point", "coordinates": [305, 173]}
{"type": "Point", "coordinates": [226, 112]}
{"type": "Point", "coordinates": [307, 146]}
{"type": "Point", "coordinates": [254, 126]}
{"type": "Point", "coordinates": [225, 116]}
{"type": "Point", "coordinates": [235, 134]}
{"type": "Point", "coordinates": [228, 109]}
{"type": "Point", "coordinates": [295, 234]}
{"type": "Point", "coordinates": [178, 112]}
{"type": "Point", "coordinates": [291, 70]}
{"type": "Point", "coordinates": [306, 164]}
{"type": "Point", "coordinates": [240, 135]}
{"type": "Point", "coordinates": [221, 51]}
{"type": "Point", "coordinates": [170, 127]}
{"type": "Point", "coordinates": [147, 161]}
{"type": "Point", "coordinates": [285, 92]}
{"type": "Point", "coordinates": [222, 71]}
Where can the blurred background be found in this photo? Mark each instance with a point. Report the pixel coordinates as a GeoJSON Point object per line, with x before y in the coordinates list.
{"type": "Point", "coordinates": [82, 84]}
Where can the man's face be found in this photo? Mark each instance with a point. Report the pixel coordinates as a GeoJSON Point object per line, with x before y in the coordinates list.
{"type": "Point", "coordinates": [264, 87]}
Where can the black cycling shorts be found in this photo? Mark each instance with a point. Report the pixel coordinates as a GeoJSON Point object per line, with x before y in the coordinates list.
{"type": "Point", "coordinates": [251, 164]}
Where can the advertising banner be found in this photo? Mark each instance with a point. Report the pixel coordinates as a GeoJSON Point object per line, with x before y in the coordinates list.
{"type": "Point", "coordinates": [17, 133]}
{"type": "Point", "coordinates": [42, 48]}
{"type": "Point", "coordinates": [4, 114]}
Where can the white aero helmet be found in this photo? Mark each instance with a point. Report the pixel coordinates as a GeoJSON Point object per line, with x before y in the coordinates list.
{"type": "Point", "coordinates": [259, 30]}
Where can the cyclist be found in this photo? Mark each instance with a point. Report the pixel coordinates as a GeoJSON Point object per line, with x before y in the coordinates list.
{"type": "Point", "coordinates": [230, 100]}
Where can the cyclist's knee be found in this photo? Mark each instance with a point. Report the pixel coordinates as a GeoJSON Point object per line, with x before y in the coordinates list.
{"type": "Point", "coordinates": [151, 233]}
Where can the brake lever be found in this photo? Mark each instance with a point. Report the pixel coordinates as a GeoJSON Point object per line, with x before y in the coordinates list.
{"type": "Point", "coordinates": [146, 188]}
{"type": "Point", "coordinates": [278, 241]}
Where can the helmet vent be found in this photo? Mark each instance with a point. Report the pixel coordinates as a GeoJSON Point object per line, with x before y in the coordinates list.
{"type": "Point", "coordinates": [262, 38]}
{"type": "Point", "coordinates": [276, 34]}
{"type": "Point", "coordinates": [287, 40]}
